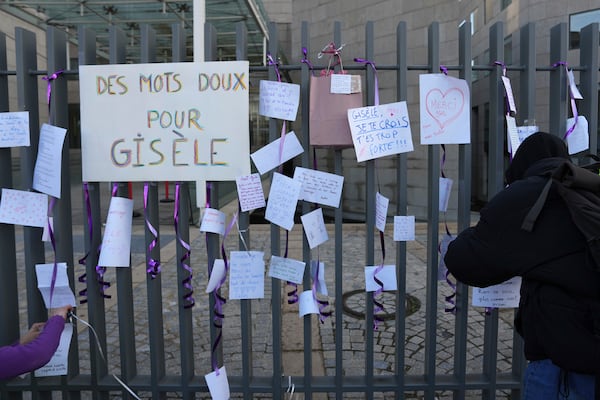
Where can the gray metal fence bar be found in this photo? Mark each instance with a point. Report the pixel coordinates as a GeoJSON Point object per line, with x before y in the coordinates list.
{"type": "Point", "coordinates": [527, 76]}
{"type": "Point", "coordinates": [558, 76]}
{"type": "Point", "coordinates": [588, 82]}
{"type": "Point", "coordinates": [463, 222]}
{"type": "Point", "coordinates": [433, 231]}
{"type": "Point", "coordinates": [92, 223]}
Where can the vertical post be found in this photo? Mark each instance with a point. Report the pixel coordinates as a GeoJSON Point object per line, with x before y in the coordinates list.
{"type": "Point", "coordinates": [117, 43]}
{"type": "Point", "coordinates": [401, 209]}
{"type": "Point", "coordinates": [199, 10]}
{"type": "Point", "coordinates": [558, 81]}
{"type": "Point", "coordinates": [433, 219]}
{"type": "Point", "coordinates": [527, 75]}
{"type": "Point", "coordinates": [464, 221]}
{"type": "Point", "coordinates": [92, 239]}
{"type": "Point", "coordinates": [588, 81]}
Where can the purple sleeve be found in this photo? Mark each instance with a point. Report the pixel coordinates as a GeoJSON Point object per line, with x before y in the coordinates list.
{"type": "Point", "coordinates": [19, 359]}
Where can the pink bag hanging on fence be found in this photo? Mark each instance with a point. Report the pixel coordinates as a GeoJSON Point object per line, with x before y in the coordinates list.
{"type": "Point", "coordinates": [328, 111]}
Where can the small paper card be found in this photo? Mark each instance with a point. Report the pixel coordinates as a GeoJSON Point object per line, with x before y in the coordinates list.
{"type": "Point", "coordinates": [345, 84]}
{"type": "Point", "coordinates": [279, 100]}
{"type": "Point", "coordinates": [319, 187]}
{"type": "Point", "coordinates": [62, 294]}
{"type": "Point", "coordinates": [321, 286]}
{"type": "Point", "coordinates": [250, 192]}
{"type": "Point", "coordinates": [218, 385]}
{"type": "Point", "coordinates": [14, 129]}
{"type": "Point", "coordinates": [59, 362]}
{"type": "Point", "coordinates": [504, 295]}
{"type": "Point", "coordinates": [445, 189]}
{"type": "Point", "coordinates": [509, 94]}
{"type": "Point", "coordinates": [314, 228]}
{"type": "Point", "coordinates": [404, 228]}
{"type": "Point", "coordinates": [116, 241]}
{"type": "Point", "coordinates": [46, 233]}
{"type": "Point", "coordinates": [217, 275]}
{"type": "Point", "coordinates": [387, 276]}
{"type": "Point", "coordinates": [442, 269]}
{"type": "Point", "coordinates": [379, 131]}
{"type": "Point", "coordinates": [381, 207]}
{"type": "Point", "coordinates": [286, 269]}
{"type": "Point", "coordinates": [307, 304]}
{"type": "Point", "coordinates": [47, 171]}
{"type": "Point", "coordinates": [213, 221]}
{"type": "Point", "coordinates": [20, 207]}
{"type": "Point", "coordinates": [579, 139]}
{"type": "Point", "coordinates": [247, 275]}
{"type": "Point", "coordinates": [445, 109]}
{"type": "Point", "coordinates": [269, 157]}
{"type": "Point", "coordinates": [283, 198]}
{"type": "Point", "coordinates": [526, 131]}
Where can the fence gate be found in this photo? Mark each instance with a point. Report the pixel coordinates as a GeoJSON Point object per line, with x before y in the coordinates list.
{"type": "Point", "coordinates": [145, 334]}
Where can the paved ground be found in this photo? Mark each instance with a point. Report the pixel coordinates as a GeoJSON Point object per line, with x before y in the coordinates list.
{"type": "Point", "coordinates": [324, 361]}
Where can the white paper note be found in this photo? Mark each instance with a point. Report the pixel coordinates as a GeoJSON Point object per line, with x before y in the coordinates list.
{"type": "Point", "coordinates": [509, 94]}
{"type": "Point", "coordinates": [116, 241]}
{"type": "Point", "coordinates": [14, 129]}
{"type": "Point", "coordinates": [319, 187]}
{"type": "Point", "coordinates": [387, 276]}
{"type": "Point", "coordinates": [286, 269]}
{"type": "Point", "coordinates": [62, 295]}
{"type": "Point", "coordinates": [445, 190]}
{"type": "Point", "coordinates": [247, 275]}
{"type": "Point", "coordinates": [20, 207]}
{"type": "Point", "coordinates": [213, 221]}
{"type": "Point", "coordinates": [279, 100]}
{"type": "Point", "coordinates": [283, 198]}
{"type": "Point", "coordinates": [341, 84]}
{"type": "Point", "coordinates": [250, 192]}
{"type": "Point", "coordinates": [216, 275]}
{"type": "Point", "coordinates": [579, 139]}
{"type": "Point", "coordinates": [47, 171]}
{"type": "Point", "coordinates": [59, 363]}
{"type": "Point", "coordinates": [269, 157]}
{"type": "Point", "coordinates": [314, 228]}
{"type": "Point", "coordinates": [381, 208]}
{"type": "Point", "coordinates": [404, 228]}
{"type": "Point", "coordinates": [218, 385]}
{"type": "Point", "coordinates": [503, 295]}
{"type": "Point", "coordinates": [307, 303]}
{"type": "Point", "coordinates": [321, 286]}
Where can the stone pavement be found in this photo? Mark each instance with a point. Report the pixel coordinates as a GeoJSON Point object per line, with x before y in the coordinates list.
{"type": "Point", "coordinates": [323, 353]}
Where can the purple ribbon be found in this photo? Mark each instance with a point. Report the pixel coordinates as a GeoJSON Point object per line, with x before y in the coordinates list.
{"type": "Point", "coordinates": [153, 266]}
{"type": "Point", "coordinates": [305, 58]}
{"type": "Point", "coordinates": [82, 261]}
{"type": "Point", "coordinates": [444, 69]}
{"type": "Point", "coordinates": [273, 63]}
{"type": "Point", "coordinates": [188, 299]}
{"type": "Point", "coordinates": [220, 300]}
{"type": "Point", "coordinates": [292, 294]}
{"type": "Point", "coordinates": [372, 64]}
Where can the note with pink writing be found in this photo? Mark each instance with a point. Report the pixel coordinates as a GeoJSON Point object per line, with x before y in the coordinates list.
{"type": "Point", "coordinates": [250, 192]}
{"type": "Point", "coordinates": [213, 221]}
{"type": "Point", "coordinates": [20, 207]}
{"type": "Point", "coordinates": [116, 241]}
{"type": "Point", "coordinates": [445, 109]}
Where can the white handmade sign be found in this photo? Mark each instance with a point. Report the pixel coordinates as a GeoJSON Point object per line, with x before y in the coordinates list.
{"type": "Point", "coordinates": [165, 122]}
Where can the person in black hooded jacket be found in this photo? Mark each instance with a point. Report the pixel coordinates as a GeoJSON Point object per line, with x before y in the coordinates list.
{"type": "Point", "coordinates": [558, 315]}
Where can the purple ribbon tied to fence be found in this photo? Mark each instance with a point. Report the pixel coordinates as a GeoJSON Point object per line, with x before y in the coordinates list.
{"type": "Point", "coordinates": [372, 64]}
{"type": "Point", "coordinates": [273, 63]}
{"type": "Point", "coordinates": [187, 281]}
{"type": "Point", "coordinates": [153, 266]}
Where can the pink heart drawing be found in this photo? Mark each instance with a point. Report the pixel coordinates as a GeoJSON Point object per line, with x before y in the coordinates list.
{"type": "Point", "coordinates": [445, 107]}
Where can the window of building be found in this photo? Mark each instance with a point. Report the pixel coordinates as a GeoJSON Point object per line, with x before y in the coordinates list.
{"type": "Point", "coordinates": [506, 3]}
{"type": "Point", "coordinates": [579, 21]}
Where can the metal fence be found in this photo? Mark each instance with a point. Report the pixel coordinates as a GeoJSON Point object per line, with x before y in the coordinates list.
{"type": "Point", "coordinates": [150, 372]}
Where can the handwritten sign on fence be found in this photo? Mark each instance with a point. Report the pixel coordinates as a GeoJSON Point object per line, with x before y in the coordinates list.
{"type": "Point", "coordinates": [379, 131]}
{"type": "Point", "coordinates": [165, 122]}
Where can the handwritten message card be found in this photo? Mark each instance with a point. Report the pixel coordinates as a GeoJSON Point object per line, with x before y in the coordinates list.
{"type": "Point", "coordinates": [217, 275]}
{"type": "Point", "coordinates": [116, 241]}
{"type": "Point", "coordinates": [62, 294]}
{"type": "Point", "coordinates": [381, 207]}
{"type": "Point", "coordinates": [504, 295]}
{"type": "Point", "coordinates": [579, 138]}
{"type": "Point", "coordinates": [319, 276]}
{"type": "Point", "coordinates": [247, 275]}
{"type": "Point", "coordinates": [509, 94]}
{"type": "Point", "coordinates": [387, 276]}
{"type": "Point", "coordinates": [286, 269]}
{"type": "Point", "coordinates": [319, 187]}
{"type": "Point", "coordinates": [19, 207]}
{"type": "Point", "coordinates": [379, 131]}
{"type": "Point", "coordinates": [14, 129]}
{"type": "Point", "coordinates": [218, 385]}
{"type": "Point", "coordinates": [404, 228]}
{"type": "Point", "coordinates": [279, 100]}
{"type": "Point", "coordinates": [46, 174]}
{"type": "Point", "coordinates": [276, 153]}
{"type": "Point", "coordinates": [307, 304]}
{"type": "Point", "coordinates": [314, 228]}
{"type": "Point", "coordinates": [59, 362]}
{"type": "Point", "coordinates": [283, 198]}
{"type": "Point", "coordinates": [445, 109]}
{"type": "Point", "coordinates": [213, 221]}
{"type": "Point", "coordinates": [250, 192]}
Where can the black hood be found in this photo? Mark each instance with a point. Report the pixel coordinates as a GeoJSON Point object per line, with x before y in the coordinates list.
{"type": "Point", "coordinates": [536, 147]}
